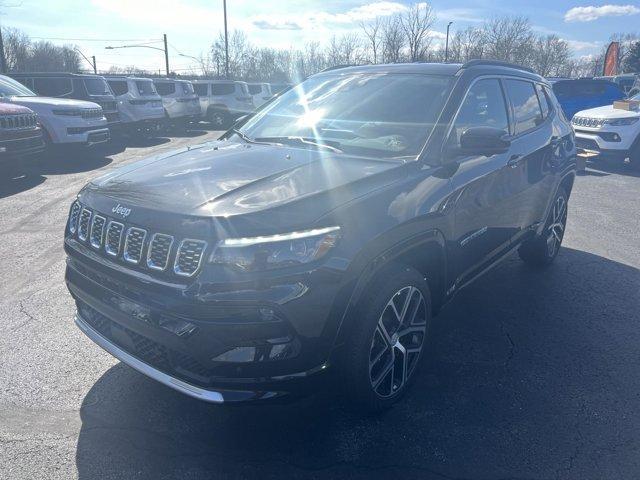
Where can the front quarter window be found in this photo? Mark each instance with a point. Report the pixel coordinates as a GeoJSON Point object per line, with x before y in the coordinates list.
{"type": "Point", "coordinates": [377, 115]}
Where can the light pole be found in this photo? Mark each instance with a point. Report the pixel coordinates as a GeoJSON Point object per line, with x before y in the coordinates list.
{"type": "Point", "coordinates": [226, 42]}
{"type": "Point", "coordinates": [165, 50]}
{"type": "Point", "coordinates": [446, 45]}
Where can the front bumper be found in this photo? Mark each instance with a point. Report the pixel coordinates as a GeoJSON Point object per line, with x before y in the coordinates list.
{"type": "Point", "coordinates": [22, 145]}
{"type": "Point", "coordinates": [145, 369]}
{"type": "Point", "coordinates": [190, 338]}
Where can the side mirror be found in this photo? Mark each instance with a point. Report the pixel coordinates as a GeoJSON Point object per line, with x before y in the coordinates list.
{"type": "Point", "coordinates": [484, 141]}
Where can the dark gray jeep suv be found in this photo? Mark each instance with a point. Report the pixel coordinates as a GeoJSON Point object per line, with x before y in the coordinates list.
{"type": "Point", "coordinates": [318, 237]}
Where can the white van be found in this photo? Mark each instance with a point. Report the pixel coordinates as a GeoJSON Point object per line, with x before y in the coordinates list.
{"type": "Point", "coordinates": [139, 104]}
{"type": "Point", "coordinates": [222, 101]}
{"type": "Point", "coordinates": [180, 103]}
{"type": "Point", "coordinates": [65, 121]}
{"type": "Point", "coordinates": [261, 92]}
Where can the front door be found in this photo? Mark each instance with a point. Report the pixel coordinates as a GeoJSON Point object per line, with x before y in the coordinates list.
{"type": "Point", "coordinates": [485, 220]}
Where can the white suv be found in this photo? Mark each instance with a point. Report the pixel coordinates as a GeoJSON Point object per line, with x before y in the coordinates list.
{"type": "Point", "coordinates": [180, 103]}
{"type": "Point", "coordinates": [139, 104]}
{"type": "Point", "coordinates": [261, 92]}
{"type": "Point", "coordinates": [610, 132]}
{"type": "Point", "coordinates": [64, 121]}
{"type": "Point", "coordinates": [222, 101]}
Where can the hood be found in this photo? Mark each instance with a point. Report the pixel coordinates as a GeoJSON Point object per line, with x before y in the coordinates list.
{"type": "Point", "coordinates": [608, 112]}
{"type": "Point", "coordinates": [53, 102]}
{"type": "Point", "coordinates": [225, 179]}
{"type": "Point", "coordinates": [12, 109]}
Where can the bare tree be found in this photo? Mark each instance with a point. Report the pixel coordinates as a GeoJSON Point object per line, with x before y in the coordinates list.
{"type": "Point", "coordinates": [373, 34]}
{"type": "Point", "coordinates": [509, 39]}
{"type": "Point", "coordinates": [16, 47]}
{"type": "Point", "coordinates": [467, 44]}
{"type": "Point", "coordinates": [416, 23]}
{"type": "Point", "coordinates": [393, 39]}
{"type": "Point", "coordinates": [549, 54]}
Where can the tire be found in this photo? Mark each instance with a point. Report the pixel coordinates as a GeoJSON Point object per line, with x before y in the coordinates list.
{"type": "Point", "coordinates": [218, 118]}
{"type": "Point", "coordinates": [542, 250]}
{"type": "Point", "coordinates": [375, 371]}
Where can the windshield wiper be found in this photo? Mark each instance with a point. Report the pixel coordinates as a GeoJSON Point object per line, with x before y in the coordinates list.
{"type": "Point", "coordinates": [243, 136]}
{"type": "Point", "coordinates": [303, 140]}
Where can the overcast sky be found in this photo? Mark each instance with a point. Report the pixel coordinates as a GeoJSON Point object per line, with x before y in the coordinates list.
{"type": "Point", "coordinates": [192, 25]}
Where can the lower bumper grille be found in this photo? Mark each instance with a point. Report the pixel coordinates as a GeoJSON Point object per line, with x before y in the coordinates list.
{"type": "Point", "coordinates": [158, 356]}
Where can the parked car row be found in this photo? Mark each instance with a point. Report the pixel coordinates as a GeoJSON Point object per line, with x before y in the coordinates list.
{"type": "Point", "coordinates": [81, 109]}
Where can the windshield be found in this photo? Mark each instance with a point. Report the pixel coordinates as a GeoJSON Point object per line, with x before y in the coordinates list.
{"type": "Point", "coordinates": [145, 87]}
{"type": "Point", "coordinates": [10, 88]}
{"type": "Point", "coordinates": [97, 86]}
{"type": "Point", "coordinates": [378, 115]}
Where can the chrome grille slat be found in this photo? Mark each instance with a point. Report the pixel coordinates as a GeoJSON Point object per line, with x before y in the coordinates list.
{"type": "Point", "coordinates": [159, 251]}
{"type": "Point", "coordinates": [134, 244]}
{"type": "Point", "coordinates": [19, 121]}
{"type": "Point", "coordinates": [97, 231]}
{"type": "Point", "coordinates": [189, 257]}
{"type": "Point", "coordinates": [114, 238]}
{"type": "Point", "coordinates": [73, 217]}
{"type": "Point", "coordinates": [83, 224]}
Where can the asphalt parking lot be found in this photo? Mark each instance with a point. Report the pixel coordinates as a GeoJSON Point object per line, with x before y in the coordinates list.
{"type": "Point", "coordinates": [531, 374]}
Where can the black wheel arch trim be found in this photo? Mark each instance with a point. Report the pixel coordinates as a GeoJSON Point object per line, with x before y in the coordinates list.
{"type": "Point", "coordinates": [366, 267]}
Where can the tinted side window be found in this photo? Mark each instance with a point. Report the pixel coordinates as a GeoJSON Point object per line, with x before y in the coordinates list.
{"type": "Point", "coordinates": [483, 106]}
{"type": "Point", "coordinates": [166, 88]}
{"type": "Point", "coordinates": [119, 87]}
{"type": "Point", "coordinates": [254, 89]}
{"type": "Point", "coordinates": [52, 86]}
{"type": "Point", "coordinates": [526, 108]}
{"type": "Point", "coordinates": [223, 89]}
{"type": "Point", "coordinates": [201, 89]}
{"type": "Point", "coordinates": [544, 101]}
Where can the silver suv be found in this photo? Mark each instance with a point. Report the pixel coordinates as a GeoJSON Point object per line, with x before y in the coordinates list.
{"type": "Point", "coordinates": [222, 101]}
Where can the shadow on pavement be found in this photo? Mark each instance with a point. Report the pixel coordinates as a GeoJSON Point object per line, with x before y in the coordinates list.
{"type": "Point", "coordinates": [616, 167]}
{"type": "Point", "coordinates": [189, 133]}
{"type": "Point", "coordinates": [530, 374]}
{"type": "Point", "coordinates": [26, 173]}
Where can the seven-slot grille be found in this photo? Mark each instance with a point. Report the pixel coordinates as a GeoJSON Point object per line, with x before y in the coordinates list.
{"type": "Point", "coordinates": [133, 244]}
{"type": "Point", "coordinates": [189, 257]}
{"type": "Point", "coordinates": [14, 122]}
{"type": "Point", "coordinates": [588, 121]}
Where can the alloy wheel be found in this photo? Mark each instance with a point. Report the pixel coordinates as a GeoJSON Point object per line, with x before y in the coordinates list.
{"type": "Point", "coordinates": [558, 222]}
{"type": "Point", "coordinates": [397, 341]}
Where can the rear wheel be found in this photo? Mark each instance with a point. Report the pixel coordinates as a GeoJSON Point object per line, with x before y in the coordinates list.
{"type": "Point", "coordinates": [388, 338]}
{"type": "Point", "coordinates": [542, 250]}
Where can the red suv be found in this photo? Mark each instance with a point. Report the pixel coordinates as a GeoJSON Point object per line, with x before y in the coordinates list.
{"type": "Point", "coordinates": [20, 131]}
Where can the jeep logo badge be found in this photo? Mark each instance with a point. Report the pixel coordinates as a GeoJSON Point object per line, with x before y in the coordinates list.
{"type": "Point", "coordinates": [120, 210]}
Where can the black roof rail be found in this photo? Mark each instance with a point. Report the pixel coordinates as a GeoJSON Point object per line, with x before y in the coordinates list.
{"type": "Point", "coordinates": [496, 63]}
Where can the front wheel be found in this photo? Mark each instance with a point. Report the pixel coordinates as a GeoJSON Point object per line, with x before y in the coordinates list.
{"type": "Point", "coordinates": [388, 338]}
{"type": "Point", "coordinates": [543, 249]}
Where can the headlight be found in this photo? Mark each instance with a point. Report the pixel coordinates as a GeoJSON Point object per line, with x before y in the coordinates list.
{"type": "Point", "coordinates": [275, 251]}
{"type": "Point", "coordinates": [619, 122]}
{"type": "Point", "coordinates": [68, 113]}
